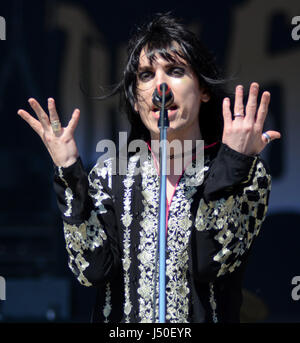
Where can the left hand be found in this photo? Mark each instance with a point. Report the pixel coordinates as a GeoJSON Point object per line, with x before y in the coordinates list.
{"type": "Point", "coordinates": [244, 133]}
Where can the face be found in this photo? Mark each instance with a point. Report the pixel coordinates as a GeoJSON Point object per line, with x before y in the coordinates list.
{"type": "Point", "coordinates": [188, 96]}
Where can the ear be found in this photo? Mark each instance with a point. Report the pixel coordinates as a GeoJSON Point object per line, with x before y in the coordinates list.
{"type": "Point", "coordinates": [205, 97]}
{"type": "Point", "coordinates": [135, 107]}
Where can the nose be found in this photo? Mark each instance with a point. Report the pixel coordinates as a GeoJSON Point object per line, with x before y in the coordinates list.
{"type": "Point", "coordinates": [160, 78]}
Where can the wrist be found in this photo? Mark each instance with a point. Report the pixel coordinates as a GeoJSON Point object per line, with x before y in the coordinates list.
{"type": "Point", "coordinates": [66, 163]}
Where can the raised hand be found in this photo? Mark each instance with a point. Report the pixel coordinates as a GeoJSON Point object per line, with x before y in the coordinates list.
{"type": "Point", "coordinates": [58, 140]}
{"type": "Point", "coordinates": [244, 133]}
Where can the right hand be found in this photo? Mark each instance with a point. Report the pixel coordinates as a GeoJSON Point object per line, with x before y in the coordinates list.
{"type": "Point", "coordinates": [61, 146]}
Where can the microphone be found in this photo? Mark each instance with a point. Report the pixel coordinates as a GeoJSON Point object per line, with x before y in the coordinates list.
{"type": "Point", "coordinates": [157, 97]}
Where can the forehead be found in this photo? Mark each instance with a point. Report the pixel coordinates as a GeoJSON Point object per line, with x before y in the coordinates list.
{"type": "Point", "coordinates": [161, 56]}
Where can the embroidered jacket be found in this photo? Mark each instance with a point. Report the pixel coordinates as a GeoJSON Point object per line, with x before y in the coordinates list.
{"type": "Point", "coordinates": [111, 229]}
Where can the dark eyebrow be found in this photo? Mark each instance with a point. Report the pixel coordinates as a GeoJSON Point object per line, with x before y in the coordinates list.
{"type": "Point", "coordinates": [144, 68]}
{"type": "Point", "coordinates": [167, 65]}
{"type": "Point", "coordinates": [175, 64]}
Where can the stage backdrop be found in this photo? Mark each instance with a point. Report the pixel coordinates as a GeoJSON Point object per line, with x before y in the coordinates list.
{"type": "Point", "coordinates": [49, 49]}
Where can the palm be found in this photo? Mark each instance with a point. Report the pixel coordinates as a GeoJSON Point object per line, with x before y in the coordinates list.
{"type": "Point", "coordinates": [60, 145]}
{"type": "Point", "coordinates": [244, 132]}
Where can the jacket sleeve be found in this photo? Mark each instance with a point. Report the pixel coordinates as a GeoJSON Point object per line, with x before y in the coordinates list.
{"type": "Point", "coordinates": [230, 213]}
{"type": "Point", "coordinates": [89, 222]}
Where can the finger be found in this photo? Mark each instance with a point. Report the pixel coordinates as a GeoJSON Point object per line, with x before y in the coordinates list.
{"type": "Point", "coordinates": [43, 118]}
{"type": "Point", "coordinates": [272, 134]}
{"type": "Point", "coordinates": [74, 121]}
{"type": "Point", "coordinates": [35, 124]}
{"type": "Point", "coordinates": [227, 113]}
{"type": "Point", "coordinates": [252, 102]}
{"type": "Point", "coordinates": [238, 103]}
{"type": "Point", "coordinates": [263, 109]}
{"type": "Point", "coordinates": [52, 110]}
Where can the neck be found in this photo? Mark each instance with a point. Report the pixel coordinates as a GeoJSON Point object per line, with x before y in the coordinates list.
{"type": "Point", "coordinates": [180, 149]}
{"type": "Point", "coordinates": [179, 143]}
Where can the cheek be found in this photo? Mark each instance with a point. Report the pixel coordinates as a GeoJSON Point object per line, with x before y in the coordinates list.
{"type": "Point", "coordinates": [186, 90]}
{"type": "Point", "coordinates": [144, 98]}
{"type": "Point", "coordinates": [185, 85]}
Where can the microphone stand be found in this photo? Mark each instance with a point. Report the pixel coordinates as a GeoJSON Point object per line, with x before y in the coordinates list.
{"type": "Point", "coordinates": [163, 124]}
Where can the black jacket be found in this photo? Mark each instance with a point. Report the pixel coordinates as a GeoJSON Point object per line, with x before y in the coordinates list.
{"type": "Point", "coordinates": [111, 229]}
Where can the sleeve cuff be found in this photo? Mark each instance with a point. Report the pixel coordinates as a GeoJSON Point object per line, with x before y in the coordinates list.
{"type": "Point", "coordinates": [71, 188]}
{"type": "Point", "coordinates": [74, 169]}
{"type": "Point", "coordinates": [229, 169]}
{"type": "Point", "coordinates": [242, 165]}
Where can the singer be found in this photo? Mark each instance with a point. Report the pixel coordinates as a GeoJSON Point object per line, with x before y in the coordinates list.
{"type": "Point", "coordinates": [111, 221]}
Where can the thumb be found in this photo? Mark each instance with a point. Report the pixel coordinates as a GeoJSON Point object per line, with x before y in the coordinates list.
{"type": "Point", "coordinates": [270, 135]}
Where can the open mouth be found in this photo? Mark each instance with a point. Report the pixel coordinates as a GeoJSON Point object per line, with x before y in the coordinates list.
{"type": "Point", "coordinates": [171, 108]}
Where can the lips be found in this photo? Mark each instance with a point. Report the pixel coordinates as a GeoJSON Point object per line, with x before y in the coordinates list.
{"type": "Point", "coordinates": [171, 108]}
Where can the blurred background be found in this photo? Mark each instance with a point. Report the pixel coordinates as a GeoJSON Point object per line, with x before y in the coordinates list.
{"type": "Point", "coordinates": [53, 46]}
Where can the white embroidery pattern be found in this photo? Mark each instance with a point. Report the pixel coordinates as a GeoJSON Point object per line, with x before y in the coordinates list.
{"type": "Point", "coordinates": [179, 229]}
{"type": "Point", "coordinates": [68, 193]}
{"type": "Point", "coordinates": [148, 242]}
{"type": "Point", "coordinates": [126, 219]}
{"type": "Point", "coordinates": [229, 221]}
{"type": "Point", "coordinates": [89, 234]}
{"type": "Point", "coordinates": [107, 306]}
{"type": "Point", "coordinates": [212, 302]}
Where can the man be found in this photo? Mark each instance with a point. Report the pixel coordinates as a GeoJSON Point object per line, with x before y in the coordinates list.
{"type": "Point", "coordinates": [213, 216]}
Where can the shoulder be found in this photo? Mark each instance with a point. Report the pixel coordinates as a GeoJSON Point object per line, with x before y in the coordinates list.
{"type": "Point", "coordinates": [108, 169]}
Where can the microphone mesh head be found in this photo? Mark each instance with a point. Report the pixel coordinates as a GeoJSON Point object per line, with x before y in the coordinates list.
{"type": "Point", "coordinates": [158, 94]}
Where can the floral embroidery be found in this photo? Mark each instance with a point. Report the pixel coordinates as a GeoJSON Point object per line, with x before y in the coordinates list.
{"type": "Point", "coordinates": [107, 306]}
{"type": "Point", "coordinates": [90, 234]}
{"type": "Point", "coordinates": [148, 241]}
{"type": "Point", "coordinates": [96, 191]}
{"type": "Point", "coordinates": [68, 194]}
{"type": "Point", "coordinates": [235, 221]}
{"type": "Point", "coordinates": [87, 236]}
{"type": "Point", "coordinates": [212, 302]}
{"type": "Point", "coordinates": [179, 228]}
{"type": "Point", "coordinates": [126, 219]}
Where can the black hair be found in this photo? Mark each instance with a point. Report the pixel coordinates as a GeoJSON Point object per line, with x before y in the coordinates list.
{"type": "Point", "coordinates": [158, 37]}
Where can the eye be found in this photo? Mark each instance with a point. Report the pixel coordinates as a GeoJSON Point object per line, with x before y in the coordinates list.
{"type": "Point", "coordinates": [145, 75]}
{"type": "Point", "coordinates": [176, 71]}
